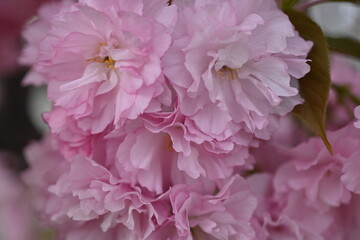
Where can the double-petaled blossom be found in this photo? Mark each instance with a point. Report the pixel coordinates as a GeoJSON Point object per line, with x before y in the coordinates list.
{"type": "Point", "coordinates": [160, 150]}
{"type": "Point", "coordinates": [327, 180]}
{"type": "Point", "coordinates": [285, 216]}
{"type": "Point", "coordinates": [235, 60]}
{"type": "Point", "coordinates": [346, 221]}
{"type": "Point", "coordinates": [311, 191]}
{"type": "Point", "coordinates": [82, 195]}
{"type": "Point", "coordinates": [35, 33]}
{"type": "Point", "coordinates": [225, 215]}
{"type": "Point", "coordinates": [70, 138]}
{"type": "Point", "coordinates": [102, 60]}
{"type": "Point", "coordinates": [312, 194]}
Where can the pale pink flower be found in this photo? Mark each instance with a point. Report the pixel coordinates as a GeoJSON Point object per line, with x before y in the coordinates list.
{"type": "Point", "coordinates": [92, 192]}
{"type": "Point", "coordinates": [34, 33]}
{"type": "Point", "coordinates": [91, 230]}
{"type": "Point", "coordinates": [235, 60]}
{"type": "Point", "coordinates": [327, 180]}
{"type": "Point", "coordinates": [167, 231]}
{"type": "Point", "coordinates": [343, 72]}
{"type": "Point", "coordinates": [102, 60]}
{"type": "Point", "coordinates": [284, 216]}
{"type": "Point", "coordinates": [346, 223]}
{"type": "Point", "coordinates": [46, 165]}
{"type": "Point", "coordinates": [83, 196]}
{"type": "Point", "coordinates": [303, 217]}
{"type": "Point", "coordinates": [159, 151]}
{"type": "Point", "coordinates": [70, 138]}
{"type": "Point", "coordinates": [225, 215]}
{"type": "Point", "coordinates": [311, 190]}
{"type": "Point", "coordinates": [345, 77]}
{"type": "Point", "coordinates": [16, 220]}
{"type": "Point", "coordinates": [269, 155]}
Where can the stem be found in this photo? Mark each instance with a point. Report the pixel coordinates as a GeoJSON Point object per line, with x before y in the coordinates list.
{"type": "Point", "coordinates": [310, 4]}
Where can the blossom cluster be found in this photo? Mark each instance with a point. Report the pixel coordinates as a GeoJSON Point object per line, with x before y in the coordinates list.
{"type": "Point", "coordinates": [157, 111]}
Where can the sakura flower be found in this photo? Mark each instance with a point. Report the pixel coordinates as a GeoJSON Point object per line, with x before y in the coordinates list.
{"type": "Point", "coordinates": [166, 231]}
{"type": "Point", "coordinates": [16, 220]}
{"type": "Point", "coordinates": [81, 194]}
{"type": "Point", "coordinates": [346, 88]}
{"type": "Point", "coordinates": [285, 216]}
{"type": "Point", "coordinates": [71, 140]}
{"type": "Point", "coordinates": [327, 181]}
{"type": "Point", "coordinates": [98, 194]}
{"type": "Point", "coordinates": [159, 151]}
{"type": "Point", "coordinates": [45, 166]}
{"type": "Point", "coordinates": [34, 34]}
{"type": "Point", "coordinates": [346, 223]}
{"type": "Point", "coordinates": [102, 60]}
{"type": "Point", "coordinates": [225, 215]}
{"type": "Point", "coordinates": [237, 60]}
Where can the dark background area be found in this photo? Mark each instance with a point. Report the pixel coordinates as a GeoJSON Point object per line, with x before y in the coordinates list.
{"type": "Point", "coordinates": [15, 126]}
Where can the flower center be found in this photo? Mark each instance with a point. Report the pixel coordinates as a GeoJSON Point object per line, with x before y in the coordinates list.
{"type": "Point", "coordinates": [168, 143]}
{"type": "Point", "coordinates": [227, 73]}
{"type": "Point", "coordinates": [103, 49]}
{"type": "Point", "coordinates": [109, 62]}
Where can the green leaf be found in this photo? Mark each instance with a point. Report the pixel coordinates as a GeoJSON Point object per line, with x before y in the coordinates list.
{"type": "Point", "coordinates": [47, 235]}
{"type": "Point", "coordinates": [346, 46]}
{"type": "Point", "coordinates": [285, 4]}
{"type": "Point", "coordinates": [315, 86]}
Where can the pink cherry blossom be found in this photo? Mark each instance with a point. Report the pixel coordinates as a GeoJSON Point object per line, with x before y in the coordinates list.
{"type": "Point", "coordinates": [159, 151]}
{"type": "Point", "coordinates": [311, 190]}
{"type": "Point", "coordinates": [285, 216]}
{"type": "Point", "coordinates": [235, 60]}
{"type": "Point", "coordinates": [102, 60]}
{"type": "Point", "coordinates": [346, 223]}
{"type": "Point", "coordinates": [16, 220]}
{"type": "Point", "coordinates": [225, 215]}
{"type": "Point", "coordinates": [75, 196]}
{"type": "Point", "coordinates": [45, 167]}
{"type": "Point", "coordinates": [313, 195]}
{"type": "Point", "coordinates": [345, 77]}
{"type": "Point", "coordinates": [34, 33]}
{"type": "Point", "coordinates": [98, 194]}
{"type": "Point", "coordinates": [70, 138]}
{"type": "Point", "coordinates": [327, 181]}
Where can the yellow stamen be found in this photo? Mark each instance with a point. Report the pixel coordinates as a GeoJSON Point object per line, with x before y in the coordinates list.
{"type": "Point", "coordinates": [227, 72]}
{"type": "Point", "coordinates": [109, 62]}
{"type": "Point", "coordinates": [168, 143]}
